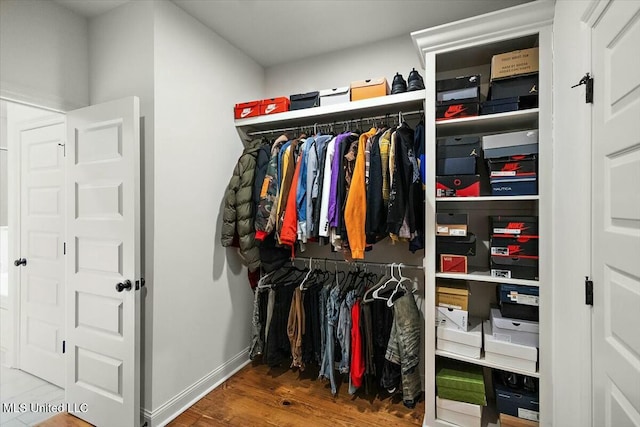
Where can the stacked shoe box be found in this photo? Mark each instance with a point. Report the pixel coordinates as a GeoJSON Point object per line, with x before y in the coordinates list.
{"type": "Point", "coordinates": [519, 302]}
{"type": "Point", "coordinates": [458, 97]}
{"type": "Point", "coordinates": [512, 343]}
{"type": "Point", "coordinates": [453, 242]}
{"type": "Point", "coordinates": [514, 82]}
{"type": "Point", "coordinates": [456, 332]}
{"type": "Point", "coordinates": [514, 247]}
{"type": "Point", "coordinates": [513, 162]}
{"type": "Point", "coordinates": [461, 395]}
{"type": "Point", "coordinates": [517, 399]}
{"type": "Point", "coordinates": [457, 167]}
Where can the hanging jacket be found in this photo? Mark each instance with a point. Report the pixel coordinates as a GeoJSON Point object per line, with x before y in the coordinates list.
{"type": "Point", "coordinates": [266, 215]}
{"type": "Point", "coordinates": [325, 193]}
{"type": "Point", "coordinates": [400, 200]}
{"type": "Point", "coordinates": [262, 161]}
{"type": "Point", "coordinates": [376, 222]}
{"type": "Point", "coordinates": [288, 231]}
{"type": "Point", "coordinates": [238, 215]}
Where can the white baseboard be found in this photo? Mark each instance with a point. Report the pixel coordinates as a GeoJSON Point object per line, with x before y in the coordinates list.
{"type": "Point", "coordinates": [185, 399]}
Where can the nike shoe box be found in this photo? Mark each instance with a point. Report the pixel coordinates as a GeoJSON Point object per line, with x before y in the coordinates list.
{"type": "Point", "coordinates": [464, 89]}
{"type": "Point", "coordinates": [509, 355]}
{"type": "Point", "coordinates": [458, 186]}
{"type": "Point", "coordinates": [462, 414]}
{"type": "Point", "coordinates": [451, 224]}
{"type": "Point", "coordinates": [369, 88]}
{"type": "Point", "coordinates": [465, 343]}
{"type": "Point", "coordinates": [463, 245]}
{"type": "Point", "coordinates": [509, 267]}
{"type": "Point", "coordinates": [514, 86]}
{"type": "Point", "coordinates": [514, 246]}
{"type": "Point", "coordinates": [514, 186]}
{"type": "Point", "coordinates": [514, 63]}
{"type": "Point", "coordinates": [519, 302]}
{"type": "Point", "coordinates": [515, 150]}
{"type": "Point", "coordinates": [456, 166]}
{"type": "Point", "coordinates": [274, 105]}
{"type": "Point", "coordinates": [452, 296]}
{"type": "Point", "coordinates": [451, 263]}
{"type": "Point", "coordinates": [301, 101]}
{"type": "Point", "coordinates": [513, 226]}
{"type": "Point", "coordinates": [513, 166]}
{"type": "Point", "coordinates": [463, 146]}
{"type": "Point", "coordinates": [504, 105]}
{"type": "Point", "coordinates": [337, 95]}
{"type": "Point", "coordinates": [516, 331]}
{"type": "Point", "coordinates": [457, 111]}
{"type": "Point", "coordinates": [461, 382]}
{"type": "Point", "coordinates": [516, 399]}
{"type": "Point", "coordinates": [245, 110]}
{"type": "Point", "coordinates": [452, 318]}
{"type": "Point", "coordinates": [509, 139]}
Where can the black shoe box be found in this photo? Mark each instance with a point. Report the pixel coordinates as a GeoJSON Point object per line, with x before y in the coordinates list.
{"type": "Point", "coordinates": [463, 146]}
{"type": "Point", "coordinates": [513, 226]}
{"type": "Point", "coordinates": [514, 246]}
{"type": "Point", "coordinates": [458, 90]}
{"type": "Point", "coordinates": [454, 245]}
{"type": "Point", "coordinates": [304, 100]}
{"type": "Point", "coordinates": [514, 267]}
{"type": "Point", "coordinates": [458, 186]}
{"type": "Point", "coordinates": [514, 86]}
{"type": "Point", "coordinates": [457, 111]}
{"type": "Point", "coordinates": [503, 105]}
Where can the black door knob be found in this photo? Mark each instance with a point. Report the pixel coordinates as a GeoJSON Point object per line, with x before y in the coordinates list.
{"type": "Point", "coordinates": [124, 285]}
{"type": "Point", "coordinates": [19, 262]}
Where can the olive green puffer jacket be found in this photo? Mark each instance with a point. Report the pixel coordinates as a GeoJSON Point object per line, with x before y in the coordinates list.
{"type": "Point", "coordinates": [238, 213]}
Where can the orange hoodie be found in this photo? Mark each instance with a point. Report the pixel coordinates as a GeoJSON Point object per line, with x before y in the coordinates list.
{"type": "Point", "coordinates": [289, 231]}
{"type": "Point", "coordinates": [355, 212]}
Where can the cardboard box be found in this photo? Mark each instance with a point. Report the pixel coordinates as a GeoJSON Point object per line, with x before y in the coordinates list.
{"type": "Point", "coordinates": [451, 224]}
{"type": "Point", "coordinates": [452, 318]}
{"type": "Point", "coordinates": [514, 86]}
{"type": "Point", "coordinates": [369, 88]}
{"type": "Point", "coordinates": [458, 90]}
{"type": "Point", "coordinates": [514, 186]}
{"type": "Point", "coordinates": [459, 413]}
{"type": "Point", "coordinates": [453, 263]}
{"type": "Point", "coordinates": [513, 336]}
{"type": "Point", "coordinates": [274, 105]}
{"type": "Point", "coordinates": [513, 226]}
{"type": "Point", "coordinates": [521, 267]}
{"type": "Point", "coordinates": [514, 246]}
{"type": "Point", "coordinates": [457, 348]}
{"type": "Point", "coordinates": [511, 421]}
{"type": "Point", "coordinates": [461, 382]}
{"type": "Point", "coordinates": [463, 146]}
{"type": "Point", "coordinates": [515, 150]}
{"type": "Point", "coordinates": [514, 63]}
{"type": "Point", "coordinates": [301, 101]}
{"type": "Point", "coordinates": [458, 186]}
{"type": "Point", "coordinates": [509, 355]}
{"type": "Point", "coordinates": [510, 139]}
{"type": "Point", "coordinates": [457, 341]}
{"type": "Point", "coordinates": [245, 110]}
{"type": "Point", "coordinates": [513, 166]}
{"type": "Point", "coordinates": [457, 111]}
{"type": "Point", "coordinates": [452, 296]}
{"type": "Point", "coordinates": [465, 245]}
{"type": "Point", "coordinates": [338, 95]}
{"type": "Point", "coordinates": [456, 166]}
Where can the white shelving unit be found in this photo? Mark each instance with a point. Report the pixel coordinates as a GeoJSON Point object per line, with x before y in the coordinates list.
{"type": "Point", "coordinates": [463, 48]}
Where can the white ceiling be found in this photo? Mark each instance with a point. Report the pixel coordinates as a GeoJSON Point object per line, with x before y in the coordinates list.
{"type": "Point", "coordinates": [279, 31]}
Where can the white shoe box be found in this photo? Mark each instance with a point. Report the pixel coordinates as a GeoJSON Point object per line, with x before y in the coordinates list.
{"type": "Point", "coordinates": [338, 95]}
{"type": "Point", "coordinates": [459, 413]}
{"type": "Point", "coordinates": [465, 343]}
{"type": "Point", "coordinates": [509, 355]}
{"type": "Point", "coordinates": [452, 318]}
{"type": "Point", "coordinates": [515, 324]}
{"type": "Point", "coordinates": [514, 331]}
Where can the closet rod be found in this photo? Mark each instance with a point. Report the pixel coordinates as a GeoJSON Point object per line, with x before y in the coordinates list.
{"type": "Point", "coordinates": [357, 263]}
{"type": "Point", "coordinates": [335, 122]}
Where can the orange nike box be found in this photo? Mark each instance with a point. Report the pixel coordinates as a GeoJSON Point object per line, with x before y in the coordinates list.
{"type": "Point", "coordinates": [274, 105]}
{"type": "Point", "coordinates": [456, 111]}
{"type": "Point", "coordinates": [247, 109]}
{"type": "Point", "coordinates": [369, 88]}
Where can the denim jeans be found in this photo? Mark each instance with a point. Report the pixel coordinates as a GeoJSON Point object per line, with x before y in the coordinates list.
{"type": "Point", "coordinates": [344, 331]}
{"type": "Point", "coordinates": [333, 308]}
{"type": "Point", "coordinates": [404, 346]}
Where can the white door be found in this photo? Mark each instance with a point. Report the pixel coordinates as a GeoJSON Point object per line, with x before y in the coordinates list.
{"type": "Point", "coordinates": [616, 215]}
{"type": "Point", "coordinates": [103, 247]}
{"type": "Point", "coordinates": [42, 248]}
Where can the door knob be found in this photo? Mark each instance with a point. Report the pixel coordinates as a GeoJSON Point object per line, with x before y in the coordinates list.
{"type": "Point", "coordinates": [124, 285]}
{"type": "Point", "coordinates": [19, 262]}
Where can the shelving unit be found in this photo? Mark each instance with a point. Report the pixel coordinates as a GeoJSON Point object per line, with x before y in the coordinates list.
{"type": "Point", "coordinates": [464, 48]}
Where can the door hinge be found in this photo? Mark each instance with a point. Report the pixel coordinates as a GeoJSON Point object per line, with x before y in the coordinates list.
{"type": "Point", "coordinates": [588, 291]}
{"type": "Point", "coordinates": [64, 248]}
{"type": "Point", "coordinates": [64, 346]}
{"type": "Point", "coordinates": [64, 149]}
{"type": "Point", "coordinates": [586, 80]}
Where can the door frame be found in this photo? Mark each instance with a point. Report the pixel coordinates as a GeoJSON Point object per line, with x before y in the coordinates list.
{"type": "Point", "coordinates": [14, 183]}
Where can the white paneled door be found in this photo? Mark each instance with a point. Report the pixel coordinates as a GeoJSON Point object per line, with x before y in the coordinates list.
{"type": "Point", "coordinates": [103, 262]}
{"type": "Point", "coordinates": [41, 266]}
{"type": "Point", "coordinates": [616, 215]}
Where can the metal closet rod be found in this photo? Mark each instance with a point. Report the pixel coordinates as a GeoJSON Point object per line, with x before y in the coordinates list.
{"type": "Point", "coordinates": [358, 263]}
{"type": "Point", "coordinates": [345, 122]}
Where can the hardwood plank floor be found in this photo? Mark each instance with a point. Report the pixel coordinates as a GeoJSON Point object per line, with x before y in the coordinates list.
{"type": "Point", "coordinates": [261, 396]}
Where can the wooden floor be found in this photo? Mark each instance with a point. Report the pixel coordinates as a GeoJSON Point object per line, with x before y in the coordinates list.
{"type": "Point", "coordinates": [260, 396]}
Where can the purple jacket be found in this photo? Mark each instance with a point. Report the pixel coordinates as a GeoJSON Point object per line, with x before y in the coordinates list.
{"type": "Point", "coordinates": [333, 191]}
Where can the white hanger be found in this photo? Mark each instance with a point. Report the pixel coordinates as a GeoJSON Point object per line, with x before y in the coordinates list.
{"type": "Point", "coordinates": [307, 276]}
{"type": "Point", "coordinates": [393, 278]}
{"type": "Point", "coordinates": [399, 285]}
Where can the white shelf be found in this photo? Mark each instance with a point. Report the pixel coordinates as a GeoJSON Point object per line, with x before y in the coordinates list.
{"type": "Point", "coordinates": [382, 105]}
{"type": "Point", "coordinates": [500, 122]}
{"type": "Point", "coordinates": [485, 276]}
{"type": "Point", "coordinates": [483, 362]}
{"type": "Point", "coordinates": [487, 199]}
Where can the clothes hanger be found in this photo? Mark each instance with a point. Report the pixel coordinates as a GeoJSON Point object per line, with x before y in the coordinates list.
{"type": "Point", "coordinates": [368, 297]}
{"type": "Point", "coordinates": [399, 286]}
{"type": "Point", "coordinates": [392, 279]}
{"type": "Point", "coordinates": [302, 288]}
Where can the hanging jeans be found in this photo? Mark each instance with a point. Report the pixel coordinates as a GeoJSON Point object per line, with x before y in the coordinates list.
{"type": "Point", "coordinates": [333, 309]}
{"type": "Point", "coordinates": [343, 333]}
{"type": "Point", "coordinates": [257, 323]}
{"type": "Point", "coordinates": [404, 346]}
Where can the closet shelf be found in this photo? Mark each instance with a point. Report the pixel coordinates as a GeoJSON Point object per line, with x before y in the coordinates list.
{"type": "Point", "coordinates": [500, 122]}
{"type": "Point", "coordinates": [485, 276]}
{"type": "Point", "coordinates": [390, 104]}
{"type": "Point", "coordinates": [486, 199]}
{"type": "Point", "coordinates": [483, 362]}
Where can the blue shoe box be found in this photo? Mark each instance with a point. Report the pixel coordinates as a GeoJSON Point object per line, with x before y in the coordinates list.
{"type": "Point", "coordinates": [514, 186]}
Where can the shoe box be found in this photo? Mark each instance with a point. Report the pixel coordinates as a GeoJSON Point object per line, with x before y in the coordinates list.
{"type": "Point", "coordinates": [508, 139]}
{"type": "Point", "coordinates": [458, 186]}
{"type": "Point", "coordinates": [511, 421]}
{"type": "Point", "coordinates": [462, 414]}
{"type": "Point", "coordinates": [454, 245]}
{"type": "Point", "coordinates": [517, 395]}
{"type": "Point", "coordinates": [338, 95]}
{"type": "Point", "coordinates": [514, 246]}
{"type": "Point", "coordinates": [458, 97]}
{"type": "Point", "coordinates": [455, 340]}
{"type": "Point", "coordinates": [262, 107]}
{"type": "Point", "coordinates": [452, 317]}
{"type": "Point", "coordinates": [452, 295]}
{"type": "Point", "coordinates": [516, 86]}
{"type": "Point", "coordinates": [450, 263]}
{"type": "Point", "coordinates": [514, 63]}
{"type": "Point", "coordinates": [457, 155]}
{"type": "Point", "coordinates": [513, 226]}
{"type": "Point", "coordinates": [514, 267]}
{"type": "Point", "coordinates": [300, 101]}
{"type": "Point", "coordinates": [516, 331]}
{"type": "Point", "coordinates": [519, 302]}
{"type": "Point", "coordinates": [514, 175]}
{"type": "Point", "coordinates": [451, 224]}
{"type": "Point", "coordinates": [508, 354]}
{"type": "Point", "coordinates": [504, 105]}
{"type": "Point", "coordinates": [460, 382]}
{"type": "Point", "coordinates": [245, 110]}
{"type": "Point", "coordinates": [369, 88]}
{"type": "Point", "coordinates": [513, 75]}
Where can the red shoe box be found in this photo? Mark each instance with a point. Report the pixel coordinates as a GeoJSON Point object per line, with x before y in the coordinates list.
{"type": "Point", "coordinates": [274, 105]}
{"type": "Point", "coordinates": [247, 109]}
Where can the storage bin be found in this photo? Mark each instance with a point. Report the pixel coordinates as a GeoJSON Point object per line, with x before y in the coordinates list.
{"type": "Point", "coordinates": [369, 88]}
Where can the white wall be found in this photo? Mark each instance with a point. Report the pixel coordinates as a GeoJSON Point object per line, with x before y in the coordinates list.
{"type": "Point", "coordinates": [202, 299]}
{"type": "Point", "coordinates": [340, 68]}
{"type": "Point", "coordinates": [44, 54]}
{"type": "Point", "coordinates": [571, 347]}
